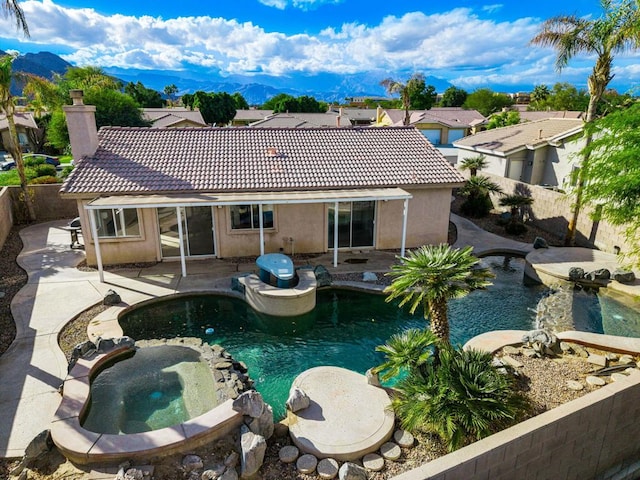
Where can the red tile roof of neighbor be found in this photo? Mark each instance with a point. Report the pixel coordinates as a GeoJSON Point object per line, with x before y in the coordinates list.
{"type": "Point", "coordinates": [143, 160]}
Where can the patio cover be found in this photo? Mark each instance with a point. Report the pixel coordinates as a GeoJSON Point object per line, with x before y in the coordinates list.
{"type": "Point", "coordinates": [244, 198]}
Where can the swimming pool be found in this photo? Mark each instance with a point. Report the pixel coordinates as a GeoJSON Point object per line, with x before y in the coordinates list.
{"type": "Point", "coordinates": [344, 328]}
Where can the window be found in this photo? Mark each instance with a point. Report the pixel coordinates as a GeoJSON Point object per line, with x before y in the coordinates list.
{"type": "Point", "coordinates": [247, 216]}
{"type": "Point", "coordinates": [117, 222]}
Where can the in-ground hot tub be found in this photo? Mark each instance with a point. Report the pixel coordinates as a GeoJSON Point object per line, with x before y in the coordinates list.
{"type": "Point", "coordinates": [156, 387]}
{"type": "Point", "coordinates": [169, 379]}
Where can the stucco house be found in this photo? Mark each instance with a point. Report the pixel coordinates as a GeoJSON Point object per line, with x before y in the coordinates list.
{"type": "Point", "coordinates": [303, 120]}
{"type": "Point", "coordinates": [151, 194]}
{"type": "Point", "coordinates": [24, 122]}
{"type": "Point", "coordinates": [251, 115]}
{"type": "Point", "coordinates": [541, 152]}
{"type": "Point", "coordinates": [173, 117]}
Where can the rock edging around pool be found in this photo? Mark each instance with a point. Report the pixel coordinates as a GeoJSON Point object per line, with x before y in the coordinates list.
{"type": "Point", "coordinates": [82, 446]}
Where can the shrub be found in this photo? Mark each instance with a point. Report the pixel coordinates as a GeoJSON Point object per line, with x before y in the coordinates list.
{"type": "Point", "coordinates": [46, 170]}
{"type": "Point", "coordinates": [515, 228]}
{"type": "Point", "coordinates": [33, 161]}
{"type": "Point", "coordinates": [44, 179]}
{"type": "Point", "coordinates": [66, 171]}
{"type": "Point", "coordinates": [477, 206]}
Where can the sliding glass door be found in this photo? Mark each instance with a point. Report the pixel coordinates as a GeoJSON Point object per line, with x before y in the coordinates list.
{"type": "Point", "coordinates": [197, 231]}
{"type": "Point", "coordinates": [356, 221]}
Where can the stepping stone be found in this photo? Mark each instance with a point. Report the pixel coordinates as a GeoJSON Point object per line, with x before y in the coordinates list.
{"type": "Point", "coordinates": [307, 463]}
{"type": "Point", "coordinates": [595, 381]}
{"type": "Point", "coordinates": [390, 451]}
{"type": "Point", "coordinates": [373, 462]}
{"type": "Point", "coordinates": [288, 454]}
{"type": "Point", "coordinates": [328, 468]}
{"type": "Point", "coordinates": [630, 370]}
{"type": "Point", "coordinates": [512, 362]}
{"type": "Point", "coordinates": [574, 385]}
{"type": "Point", "coordinates": [618, 376]}
{"type": "Point", "coordinates": [403, 438]}
{"type": "Point", "coordinates": [599, 360]}
{"type": "Point", "coordinates": [626, 359]}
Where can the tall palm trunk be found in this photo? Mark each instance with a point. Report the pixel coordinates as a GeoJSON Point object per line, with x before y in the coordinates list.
{"type": "Point", "coordinates": [14, 149]}
{"type": "Point", "coordinates": [439, 320]}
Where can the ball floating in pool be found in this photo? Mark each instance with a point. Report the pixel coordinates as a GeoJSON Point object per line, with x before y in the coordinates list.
{"type": "Point", "coordinates": [155, 395]}
{"type": "Point", "coordinates": [209, 331]}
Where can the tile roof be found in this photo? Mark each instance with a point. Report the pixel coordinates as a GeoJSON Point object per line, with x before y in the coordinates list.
{"type": "Point", "coordinates": [165, 117]}
{"type": "Point", "coordinates": [23, 119]}
{"type": "Point", "coordinates": [451, 117]}
{"type": "Point", "coordinates": [302, 120]}
{"type": "Point", "coordinates": [147, 160]}
{"type": "Point", "coordinates": [523, 135]}
{"type": "Point", "coordinates": [528, 116]}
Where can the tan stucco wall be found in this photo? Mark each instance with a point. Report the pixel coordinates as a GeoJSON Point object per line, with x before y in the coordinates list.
{"type": "Point", "coordinates": [6, 216]}
{"type": "Point", "coordinates": [124, 250]}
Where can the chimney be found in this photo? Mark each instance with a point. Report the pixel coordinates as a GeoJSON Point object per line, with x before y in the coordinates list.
{"type": "Point", "coordinates": [540, 134]}
{"type": "Point", "coordinates": [378, 114]}
{"type": "Point", "coordinates": [81, 122]}
{"type": "Point", "coordinates": [338, 120]}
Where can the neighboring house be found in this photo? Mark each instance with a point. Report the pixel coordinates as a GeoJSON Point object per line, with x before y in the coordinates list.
{"type": "Point", "coordinates": [441, 126]}
{"type": "Point", "coordinates": [24, 122]}
{"type": "Point", "coordinates": [364, 117]}
{"type": "Point", "coordinates": [303, 120]}
{"type": "Point", "coordinates": [540, 152]}
{"type": "Point", "coordinates": [246, 117]}
{"type": "Point", "coordinates": [154, 194]}
{"type": "Point", "coordinates": [173, 117]}
{"type": "Point", "coordinates": [530, 116]}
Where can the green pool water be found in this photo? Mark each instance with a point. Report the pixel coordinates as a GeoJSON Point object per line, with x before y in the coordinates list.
{"type": "Point", "coordinates": [344, 328]}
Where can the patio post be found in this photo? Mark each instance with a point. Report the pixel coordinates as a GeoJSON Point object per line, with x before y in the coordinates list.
{"type": "Point", "coordinates": [261, 223]}
{"type": "Point", "coordinates": [404, 226]}
{"type": "Point", "coordinates": [335, 235]}
{"type": "Point", "coordinates": [183, 262]}
{"type": "Point", "coordinates": [96, 243]}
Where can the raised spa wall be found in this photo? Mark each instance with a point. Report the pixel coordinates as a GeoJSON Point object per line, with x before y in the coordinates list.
{"type": "Point", "coordinates": [282, 302]}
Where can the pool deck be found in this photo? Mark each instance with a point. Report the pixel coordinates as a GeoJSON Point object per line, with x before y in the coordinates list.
{"type": "Point", "coordinates": [33, 367]}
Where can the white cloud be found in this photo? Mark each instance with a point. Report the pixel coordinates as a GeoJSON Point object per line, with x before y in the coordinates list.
{"type": "Point", "coordinates": [459, 45]}
{"type": "Point", "coordinates": [301, 4]}
{"type": "Point", "coordinates": [492, 8]}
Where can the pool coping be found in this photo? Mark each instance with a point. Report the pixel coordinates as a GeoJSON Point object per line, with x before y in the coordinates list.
{"type": "Point", "coordinates": [83, 447]}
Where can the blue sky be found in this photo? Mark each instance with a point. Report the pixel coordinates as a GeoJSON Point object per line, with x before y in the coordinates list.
{"type": "Point", "coordinates": [469, 43]}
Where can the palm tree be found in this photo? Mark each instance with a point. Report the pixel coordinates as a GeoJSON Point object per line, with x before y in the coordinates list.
{"type": "Point", "coordinates": [515, 203]}
{"type": "Point", "coordinates": [432, 275]}
{"type": "Point", "coordinates": [477, 190]}
{"type": "Point", "coordinates": [407, 351]}
{"type": "Point", "coordinates": [616, 31]}
{"type": "Point", "coordinates": [13, 145]}
{"type": "Point", "coordinates": [473, 164]}
{"type": "Point", "coordinates": [392, 87]}
{"type": "Point", "coordinates": [170, 91]}
{"type": "Point", "coordinates": [11, 8]}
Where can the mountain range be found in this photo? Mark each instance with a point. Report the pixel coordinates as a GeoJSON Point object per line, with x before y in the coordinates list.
{"type": "Point", "coordinates": [255, 89]}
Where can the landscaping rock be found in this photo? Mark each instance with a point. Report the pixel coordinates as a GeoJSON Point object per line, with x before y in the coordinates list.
{"type": "Point", "coordinates": [253, 449]}
{"type": "Point", "coordinates": [576, 274]}
{"type": "Point", "coordinates": [249, 403]}
{"type": "Point", "coordinates": [627, 360]}
{"type": "Point", "coordinates": [600, 274]}
{"type": "Point", "coordinates": [511, 350]}
{"type": "Point", "coordinates": [327, 468]}
{"type": "Point", "coordinates": [232, 460]}
{"type": "Point", "coordinates": [512, 362]}
{"type": "Point", "coordinates": [298, 399]}
{"type": "Point", "coordinates": [351, 471]}
{"type": "Point", "coordinates": [372, 378]}
{"type": "Point", "coordinates": [229, 474]}
{"type": "Point", "coordinates": [39, 446]}
{"type": "Point", "coordinates": [281, 430]}
{"type": "Point", "coordinates": [390, 451]}
{"type": "Point", "coordinates": [540, 336]}
{"type": "Point", "coordinates": [213, 473]}
{"type": "Point", "coordinates": [263, 425]}
{"type": "Point", "coordinates": [403, 438]}
{"type": "Point", "coordinates": [566, 347]}
{"type": "Point", "coordinates": [540, 242]}
{"type": "Point", "coordinates": [595, 381]}
{"type": "Point", "coordinates": [111, 298]}
{"type": "Point", "coordinates": [616, 377]}
{"type": "Point", "coordinates": [373, 462]}
{"type": "Point", "coordinates": [612, 357]}
{"type": "Point", "coordinates": [369, 277]}
{"type": "Point", "coordinates": [288, 454]}
{"type": "Point", "coordinates": [192, 462]}
{"type": "Point", "coordinates": [134, 474]}
{"type": "Point", "coordinates": [307, 463]}
{"type": "Point", "coordinates": [323, 277]}
{"type": "Point", "coordinates": [574, 385]}
{"type": "Point", "coordinates": [624, 276]}
{"type": "Point", "coordinates": [581, 351]}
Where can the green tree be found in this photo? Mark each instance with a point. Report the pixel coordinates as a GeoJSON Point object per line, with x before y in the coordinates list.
{"type": "Point", "coordinates": [188, 99]}
{"type": "Point", "coordinates": [413, 94]}
{"type": "Point", "coordinates": [114, 108]}
{"type": "Point", "coordinates": [478, 201]}
{"type": "Point", "coordinates": [473, 164]}
{"type": "Point", "coordinates": [170, 91]}
{"type": "Point", "coordinates": [516, 204]}
{"type": "Point", "coordinates": [145, 97]}
{"type": "Point", "coordinates": [617, 30]}
{"type": "Point", "coordinates": [240, 102]}
{"type": "Point", "coordinates": [11, 8]}
{"type": "Point", "coordinates": [280, 103]}
{"type": "Point", "coordinates": [430, 276]}
{"type": "Point", "coordinates": [540, 93]}
{"type": "Point", "coordinates": [453, 97]}
{"type": "Point", "coordinates": [613, 172]}
{"type": "Point", "coordinates": [503, 119]}
{"type": "Point", "coordinates": [406, 352]}
{"type": "Point", "coordinates": [13, 145]}
{"type": "Point", "coordinates": [563, 96]}
{"type": "Point", "coordinates": [486, 101]}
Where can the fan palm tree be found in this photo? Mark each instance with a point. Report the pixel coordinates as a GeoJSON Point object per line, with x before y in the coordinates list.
{"type": "Point", "coordinates": [477, 190]}
{"type": "Point", "coordinates": [515, 203]}
{"type": "Point", "coordinates": [13, 145]}
{"type": "Point", "coordinates": [473, 164]}
{"type": "Point", "coordinates": [407, 351]}
{"type": "Point", "coordinates": [432, 275]}
{"type": "Point", "coordinates": [11, 8]}
{"type": "Point", "coordinates": [616, 31]}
